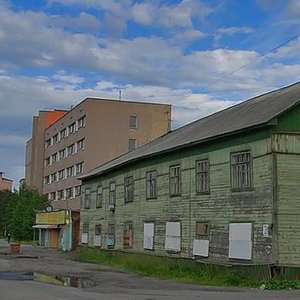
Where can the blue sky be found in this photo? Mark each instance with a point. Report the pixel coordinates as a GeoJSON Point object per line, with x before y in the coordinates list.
{"type": "Point", "coordinates": [200, 56]}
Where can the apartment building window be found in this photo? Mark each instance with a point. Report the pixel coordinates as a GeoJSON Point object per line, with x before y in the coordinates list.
{"type": "Point", "coordinates": [77, 190]}
{"type": "Point", "coordinates": [72, 128]}
{"type": "Point", "coordinates": [47, 179]}
{"type": "Point", "coordinates": [128, 235]}
{"type": "Point", "coordinates": [80, 145]}
{"type": "Point", "coordinates": [60, 194]}
{"type": "Point", "coordinates": [151, 184]}
{"type": "Point", "coordinates": [99, 196]}
{"type": "Point", "coordinates": [52, 196]}
{"type": "Point", "coordinates": [61, 174]}
{"type": "Point", "coordinates": [54, 177]}
{"type": "Point", "coordinates": [81, 122]}
{"type": "Point", "coordinates": [87, 198]}
{"type": "Point", "coordinates": [55, 139]}
{"type": "Point", "coordinates": [133, 122]}
{"type": "Point", "coordinates": [70, 171]}
{"type": "Point", "coordinates": [54, 157]}
{"type": "Point", "coordinates": [63, 133]}
{"type": "Point", "coordinates": [112, 193]}
{"type": "Point", "coordinates": [62, 153]}
{"type": "Point", "coordinates": [111, 236]}
{"type": "Point", "coordinates": [71, 149]}
{"type": "Point", "coordinates": [85, 233]}
{"type": "Point", "coordinates": [202, 176]}
{"type": "Point", "coordinates": [128, 189]}
{"type": "Point", "coordinates": [48, 143]}
{"type": "Point", "coordinates": [79, 168]}
{"type": "Point", "coordinates": [131, 144]}
{"type": "Point", "coordinates": [47, 161]}
{"type": "Point", "coordinates": [69, 193]}
{"type": "Point", "coordinates": [241, 173]}
{"type": "Point", "coordinates": [175, 180]}
{"type": "Point", "coordinates": [97, 237]}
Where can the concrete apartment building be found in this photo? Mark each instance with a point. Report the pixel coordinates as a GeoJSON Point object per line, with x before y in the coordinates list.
{"type": "Point", "coordinates": [5, 184]}
{"type": "Point", "coordinates": [93, 132]}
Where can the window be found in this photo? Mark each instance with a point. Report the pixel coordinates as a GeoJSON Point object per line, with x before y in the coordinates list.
{"type": "Point", "coordinates": [48, 143]}
{"type": "Point", "coordinates": [99, 197]}
{"type": "Point", "coordinates": [85, 233]}
{"type": "Point", "coordinates": [71, 149]}
{"type": "Point", "coordinates": [87, 198]}
{"type": "Point", "coordinates": [111, 236]}
{"type": "Point", "coordinates": [53, 177]}
{"type": "Point", "coordinates": [69, 193]}
{"type": "Point", "coordinates": [241, 175]}
{"type": "Point", "coordinates": [201, 230]}
{"type": "Point", "coordinates": [80, 145]}
{"type": "Point", "coordinates": [148, 236]}
{"type": "Point", "coordinates": [77, 190]}
{"type": "Point", "coordinates": [63, 133]}
{"type": "Point", "coordinates": [202, 177]}
{"type": "Point", "coordinates": [175, 181]}
{"type": "Point", "coordinates": [97, 237]}
{"type": "Point", "coordinates": [72, 128]}
{"type": "Point", "coordinates": [47, 179]}
{"type": "Point", "coordinates": [173, 236]}
{"type": "Point", "coordinates": [55, 138]}
{"type": "Point", "coordinates": [131, 144]}
{"type": "Point", "coordinates": [128, 235]}
{"type": "Point", "coordinates": [70, 171]}
{"type": "Point", "coordinates": [61, 174]}
{"type": "Point", "coordinates": [52, 196]}
{"type": "Point", "coordinates": [47, 161]}
{"type": "Point", "coordinates": [151, 184]}
{"type": "Point", "coordinates": [54, 157]}
{"type": "Point", "coordinates": [62, 153]}
{"type": "Point", "coordinates": [128, 189]}
{"type": "Point", "coordinates": [112, 193]}
{"type": "Point", "coordinates": [240, 240]}
{"type": "Point", "coordinates": [81, 122]}
{"type": "Point", "coordinates": [133, 122]}
{"type": "Point", "coordinates": [60, 194]}
{"type": "Point", "coordinates": [79, 168]}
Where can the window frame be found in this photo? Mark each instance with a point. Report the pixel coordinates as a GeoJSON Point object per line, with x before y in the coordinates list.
{"type": "Point", "coordinates": [133, 122]}
{"type": "Point", "coordinates": [128, 234]}
{"type": "Point", "coordinates": [112, 193]}
{"type": "Point", "coordinates": [130, 148]}
{"type": "Point", "coordinates": [99, 196]}
{"type": "Point", "coordinates": [111, 232]}
{"type": "Point", "coordinates": [128, 189]}
{"type": "Point", "coordinates": [175, 180]}
{"type": "Point", "coordinates": [151, 185]}
{"type": "Point", "coordinates": [205, 177]}
{"type": "Point", "coordinates": [69, 193]}
{"type": "Point", "coordinates": [77, 188]}
{"type": "Point", "coordinates": [80, 144]}
{"type": "Point", "coordinates": [87, 198]}
{"type": "Point", "coordinates": [81, 122]}
{"type": "Point", "coordinates": [79, 168]}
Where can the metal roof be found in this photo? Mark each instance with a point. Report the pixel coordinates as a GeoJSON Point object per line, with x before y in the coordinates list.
{"type": "Point", "coordinates": [254, 112]}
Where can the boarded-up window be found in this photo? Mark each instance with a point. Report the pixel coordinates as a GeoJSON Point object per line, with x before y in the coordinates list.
{"type": "Point", "coordinates": [173, 236]}
{"type": "Point", "coordinates": [97, 236]}
{"type": "Point", "coordinates": [85, 233]}
{"type": "Point", "coordinates": [201, 230]}
{"type": "Point", "coordinates": [99, 196]}
{"type": "Point", "coordinates": [131, 144]}
{"type": "Point", "coordinates": [202, 176]}
{"type": "Point", "coordinates": [175, 181]}
{"type": "Point", "coordinates": [241, 174]}
{"type": "Point", "coordinates": [128, 189]}
{"type": "Point", "coordinates": [151, 184]}
{"type": "Point", "coordinates": [240, 240]}
{"type": "Point", "coordinates": [87, 198]}
{"type": "Point", "coordinates": [128, 235]}
{"type": "Point", "coordinates": [111, 236]}
{"type": "Point", "coordinates": [201, 242]}
{"type": "Point", "coordinates": [149, 236]}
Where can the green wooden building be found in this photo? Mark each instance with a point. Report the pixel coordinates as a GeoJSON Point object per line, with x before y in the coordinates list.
{"type": "Point", "coordinates": [224, 189]}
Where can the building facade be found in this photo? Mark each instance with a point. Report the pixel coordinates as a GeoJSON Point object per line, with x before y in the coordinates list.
{"type": "Point", "coordinates": [94, 132]}
{"type": "Point", "coordinates": [5, 184]}
{"type": "Point", "coordinates": [224, 189]}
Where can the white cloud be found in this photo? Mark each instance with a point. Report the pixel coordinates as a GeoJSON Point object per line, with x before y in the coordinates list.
{"type": "Point", "coordinates": [234, 30]}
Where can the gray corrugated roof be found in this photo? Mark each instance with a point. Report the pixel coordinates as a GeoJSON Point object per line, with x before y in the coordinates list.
{"type": "Point", "coordinates": [254, 112]}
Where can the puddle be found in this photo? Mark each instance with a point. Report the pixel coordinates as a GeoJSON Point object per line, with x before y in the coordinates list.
{"type": "Point", "coordinates": [62, 280]}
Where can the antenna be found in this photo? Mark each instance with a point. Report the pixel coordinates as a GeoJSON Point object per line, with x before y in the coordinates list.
{"type": "Point", "coordinates": [120, 95]}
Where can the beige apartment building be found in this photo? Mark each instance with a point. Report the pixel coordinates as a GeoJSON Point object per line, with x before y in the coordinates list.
{"type": "Point", "coordinates": [93, 132]}
{"type": "Point", "coordinates": [5, 183]}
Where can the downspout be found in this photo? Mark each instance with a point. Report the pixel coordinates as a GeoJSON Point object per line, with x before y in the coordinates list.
{"type": "Point", "coordinates": [189, 215]}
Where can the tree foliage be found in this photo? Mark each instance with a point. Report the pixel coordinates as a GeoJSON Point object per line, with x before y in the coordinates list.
{"type": "Point", "coordinates": [17, 212]}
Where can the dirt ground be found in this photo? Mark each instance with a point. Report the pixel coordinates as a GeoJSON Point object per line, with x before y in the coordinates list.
{"type": "Point", "coordinates": [110, 281]}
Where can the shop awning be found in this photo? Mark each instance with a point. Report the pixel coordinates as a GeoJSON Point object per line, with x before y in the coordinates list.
{"type": "Point", "coordinates": [42, 226]}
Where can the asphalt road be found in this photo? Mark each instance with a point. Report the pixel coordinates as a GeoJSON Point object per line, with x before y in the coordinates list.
{"type": "Point", "coordinates": [18, 275]}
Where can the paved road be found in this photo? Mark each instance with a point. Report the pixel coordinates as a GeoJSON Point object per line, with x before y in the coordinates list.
{"type": "Point", "coordinates": [108, 283]}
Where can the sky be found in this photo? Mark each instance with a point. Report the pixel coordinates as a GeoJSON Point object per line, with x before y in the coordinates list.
{"type": "Point", "coordinates": [200, 56]}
